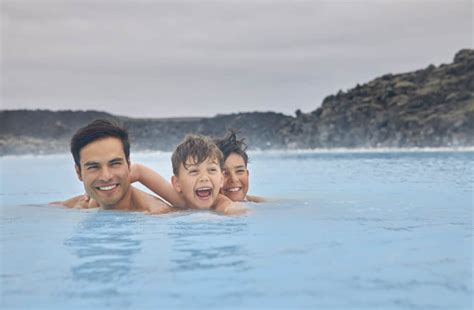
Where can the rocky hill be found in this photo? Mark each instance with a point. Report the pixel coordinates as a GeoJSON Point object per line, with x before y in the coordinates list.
{"type": "Point", "coordinates": [432, 107]}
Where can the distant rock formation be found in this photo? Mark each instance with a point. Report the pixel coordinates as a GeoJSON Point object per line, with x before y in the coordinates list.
{"type": "Point", "coordinates": [45, 132]}
{"type": "Point", "coordinates": [432, 107]}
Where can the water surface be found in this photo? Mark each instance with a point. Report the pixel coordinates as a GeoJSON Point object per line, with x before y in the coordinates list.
{"type": "Point", "coordinates": [380, 230]}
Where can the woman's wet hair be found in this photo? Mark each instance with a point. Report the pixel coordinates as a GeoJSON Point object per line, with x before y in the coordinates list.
{"type": "Point", "coordinates": [198, 148]}
{"type": "Point", "coordinates": [230, 144]}
{"type": "Point", "coordinates": [97, 130]}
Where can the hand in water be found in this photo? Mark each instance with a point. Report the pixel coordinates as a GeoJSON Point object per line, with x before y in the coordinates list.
{"type": "Point", "coordinates": [91, 203]}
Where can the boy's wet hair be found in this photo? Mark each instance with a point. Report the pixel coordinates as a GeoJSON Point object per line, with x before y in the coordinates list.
{"type": "Point", "coordinates": [230, 144]}
{"type": "Point", "coordinates": [198, 148]}
{"type": "Point", "coordinates": [97, 130]}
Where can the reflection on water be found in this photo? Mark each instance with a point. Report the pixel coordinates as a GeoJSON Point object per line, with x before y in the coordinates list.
{"type": "Point", "coordinates": [216, 252]}
{"type": "Point", "coordinates": [105, 245]}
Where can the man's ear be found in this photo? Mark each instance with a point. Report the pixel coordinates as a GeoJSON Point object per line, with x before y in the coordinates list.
{"type": "Point", "coordinates": [78, 172]}
{"type": "Point", "coordinates": [175, 183]}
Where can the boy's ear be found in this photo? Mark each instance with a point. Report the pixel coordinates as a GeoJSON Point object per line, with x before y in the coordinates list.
{"type": "Point", "coordinates": [78, 172]}
{"type": "Point", "coordinates": [175, 183]}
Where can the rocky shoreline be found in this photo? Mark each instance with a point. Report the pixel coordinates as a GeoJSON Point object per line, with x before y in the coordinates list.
{"type": "Point", "coordinates": [431, 107]}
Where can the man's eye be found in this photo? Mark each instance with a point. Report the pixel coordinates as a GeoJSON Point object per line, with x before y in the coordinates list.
{"type": "Point", "coordinates": [116, 163]}
{"type": "Point", "coordinates": [92, 167]}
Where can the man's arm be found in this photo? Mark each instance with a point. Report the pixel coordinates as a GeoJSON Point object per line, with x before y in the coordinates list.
{"type": "Point", "coordinates": [228, 207]}
{"type": "Point", "coordinates": [79, 202]}
{"type": "Point", "coordinates": [156, 183]}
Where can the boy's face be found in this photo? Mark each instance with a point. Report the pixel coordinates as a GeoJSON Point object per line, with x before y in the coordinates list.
{"type": "Point", "coordinates": [199, 183]}
{"type": "Point", "coordinates": [104, 171]}
{"type": "Point", "coordinates": [236, 178]}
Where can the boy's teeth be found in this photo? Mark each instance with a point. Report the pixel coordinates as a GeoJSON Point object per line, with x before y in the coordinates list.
{"type": "Point", "coordinates": [204, 189]}
{"type": "Point", "coordinates": [204, 192]}
{"type": "Point", "coordinates": [107, 188]}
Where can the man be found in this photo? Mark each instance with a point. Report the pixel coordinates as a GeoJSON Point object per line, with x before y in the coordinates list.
{"type": "Point", "coordinates": [101, 152]}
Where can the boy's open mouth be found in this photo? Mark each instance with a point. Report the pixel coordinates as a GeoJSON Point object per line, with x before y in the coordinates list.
{"type": "Point", "coordinates": [204, 192]}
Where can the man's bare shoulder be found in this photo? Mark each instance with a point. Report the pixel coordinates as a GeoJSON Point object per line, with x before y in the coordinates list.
{"type": "Point", "coordinates": [149, 203]}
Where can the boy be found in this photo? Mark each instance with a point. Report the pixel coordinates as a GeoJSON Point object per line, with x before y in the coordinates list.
{"type": "Point", "coordinates": [197, 167]}
{"type": "Point", "coordinates": [236, 174]}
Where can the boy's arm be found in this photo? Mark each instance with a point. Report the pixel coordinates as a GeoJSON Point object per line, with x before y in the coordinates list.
{"type": "Point", "coordinates": [228, 207]}
{"type": "Point", "coordinates": [156, 183]}
{"type": "Point", "coordinates": [256, 199]}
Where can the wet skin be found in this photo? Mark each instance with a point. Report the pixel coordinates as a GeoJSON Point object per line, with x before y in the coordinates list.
{"type": "Point", "coordinates": [105, 173]}
{"type": "Point", "coordinates": [199, 183]}
{"type": "Point", "coordinates": [236, 178]}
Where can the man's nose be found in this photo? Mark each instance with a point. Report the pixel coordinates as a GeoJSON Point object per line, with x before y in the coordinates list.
{"type": "Point", "coordinates": [105, 174]}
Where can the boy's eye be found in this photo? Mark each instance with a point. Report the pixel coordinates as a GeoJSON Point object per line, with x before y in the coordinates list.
{"type": "Point", "coordinates": [192, 172]}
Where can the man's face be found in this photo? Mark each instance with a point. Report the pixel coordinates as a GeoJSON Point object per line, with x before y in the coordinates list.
{"type": "Point", "coordinates": [236, 178]}
{"type": "Point", "coordinates": [199, 183]}
{"type": "Point", "coordinates": [104, 171]}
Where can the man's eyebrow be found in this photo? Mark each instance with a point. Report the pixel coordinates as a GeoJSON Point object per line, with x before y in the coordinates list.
{"type": "Point", "coordinates": [118, 159]}
{"type": "Point", "coordinates": [91, 163]}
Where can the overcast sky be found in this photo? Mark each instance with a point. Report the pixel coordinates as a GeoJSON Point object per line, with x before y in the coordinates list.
{"type": "Point", "coordinates": [202, 58]}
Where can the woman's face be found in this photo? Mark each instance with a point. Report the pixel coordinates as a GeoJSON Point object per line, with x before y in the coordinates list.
{"type": "Point", "coordinates": [236, 178]}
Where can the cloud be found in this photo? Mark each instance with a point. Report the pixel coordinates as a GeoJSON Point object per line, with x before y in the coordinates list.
{"type": "Point", "coordinates": [186, 58]}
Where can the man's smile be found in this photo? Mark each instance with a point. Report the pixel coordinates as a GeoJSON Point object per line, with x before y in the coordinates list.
{"type": "Point", "coordinates": [106, 188]}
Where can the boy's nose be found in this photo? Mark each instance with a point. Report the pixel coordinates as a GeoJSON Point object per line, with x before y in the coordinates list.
{"type": "Point", "coordinates": [203, 177]}
{"type": "Point", "coordinates": [233, 178]}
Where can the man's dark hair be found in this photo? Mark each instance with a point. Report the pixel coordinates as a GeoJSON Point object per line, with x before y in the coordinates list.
{"type": "Point", "coordinates": [230, 144]}
{"type": "Point", "coordinates": [198, 148]}
{"type": "Point", "coordinates": [97, 130]}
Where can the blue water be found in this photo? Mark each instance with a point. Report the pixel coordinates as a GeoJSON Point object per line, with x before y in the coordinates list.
{"type": "Point", "coordinates": [362, 230]}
